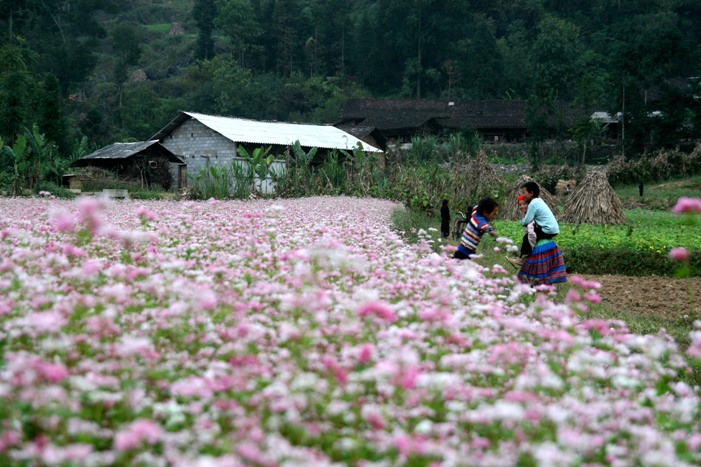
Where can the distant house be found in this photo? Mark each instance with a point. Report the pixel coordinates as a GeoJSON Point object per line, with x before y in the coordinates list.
{"type": "Point", "coordinates": [206, 140]}
{"type": "Point", "coordinates": [367, 134]}
{"type": "Point", "coordinates": [609, 125]}
{"type": "Point", "coordinates": [145, 161]}
{"type": "Point", "coordinates": [495, 120]}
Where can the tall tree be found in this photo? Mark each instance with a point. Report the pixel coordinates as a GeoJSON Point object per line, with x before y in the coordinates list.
{"type": "Point", "coordinates": [127, 49]}
{"type": "Point", "coordinates": [16, 87]}
{"type": "Point", "coordinates": [237, 20]}
{"type": "Point", "coordinates": [204, 13]}
{"type": "Point", "coordinates": [554, 55]}
{"type": "Point", "coordinates": [285, 35]}
{"type": "Point", "coordinates": [14, 12]}
{"type": "Point", "coordinates": [480, 60]}
{"type": "Point", "coordinates": [50, 114]}
{"type": "Point", "coordinates": [647, 50]}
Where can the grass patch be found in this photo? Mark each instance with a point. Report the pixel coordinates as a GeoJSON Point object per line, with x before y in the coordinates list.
{"type": "Point", "coordinates": [158, 28]}
{"type": "Point", "coordinates": [412, 225]}
{"type": "Point", "coordinates": [659, 195]}
{"type": "Point", "coordinates": [150, 194]}
{"type": "Point", "coordinates": [639, 248]}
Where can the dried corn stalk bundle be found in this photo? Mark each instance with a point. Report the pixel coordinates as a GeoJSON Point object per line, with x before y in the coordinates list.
{"type": "Point", "coordinates": [594, 202]}
{"type": "Point", "coordinates": [509, 209]}
{"type": "Point", "coordinates": [483, 178]}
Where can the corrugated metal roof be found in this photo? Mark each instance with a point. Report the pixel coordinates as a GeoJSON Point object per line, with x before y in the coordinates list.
{"type": "Point", "coordinates": [127, 150]}
{"type": "Point", "coordinates": [120, 150]}
{"type": "Point", "coordinates": [241, 130]}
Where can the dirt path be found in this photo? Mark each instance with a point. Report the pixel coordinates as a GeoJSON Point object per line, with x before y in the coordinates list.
{"type": "Point", "coordinates": [660, 296]}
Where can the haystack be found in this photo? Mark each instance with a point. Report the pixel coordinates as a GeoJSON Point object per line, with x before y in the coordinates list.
{"type": "Point", "coordinates": [509, 209]}
{"type": "Point", "coordinates": [484, 178]}
{"type": "Point", "coordinates": [594, 202]}
{"type": "Point", "coordinates": [476, 180]}
{"type": "Point", "coordinates": [565, 187]}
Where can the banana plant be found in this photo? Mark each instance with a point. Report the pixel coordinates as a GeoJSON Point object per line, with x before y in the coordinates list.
{"type": "Point", "coordinates": [40, 160]}
{"type": "Point", "coordinates": [302, 159]}
{"type": "Point", "coordinates": [259, 162]}
{"type": "Point", "coordinates": [301, 165]}
{"type": "Point", "coordinates": [18, 156]}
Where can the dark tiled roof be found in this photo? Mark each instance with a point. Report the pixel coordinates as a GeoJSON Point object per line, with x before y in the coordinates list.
{"type": "Point", "coordinates": [359, 132]}
{"type": "Point", "coordinates": [362, 132]}
{"type": "Point", "coordinates": [678, 85]}
{"type": "Point", "coordinates": [391, 114]}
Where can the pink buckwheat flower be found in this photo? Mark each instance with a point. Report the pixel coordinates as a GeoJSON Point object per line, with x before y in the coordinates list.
{"type": "Point", "coordinates": [9, 438]}
{"type": "Point", "coordinates": [365, 354]}
{"type": "Point", "coordinates": [145, 214]}
{"type": "Point", "coordinates": [51, 372]}
{"type": "Point", "coordinates": [592, 297]}
{"type": "Point", "coordinates": [336, 369]}
{"type": "Point", "coordinates": [139, 431]}
{"type": "Point", "coordinates": [685, 204]}
{"type": "Point", "coordinates": [679, 254]}
{"type": "Point", "coordinates": [694, 349]}
{"type": "Point", "coordinates": [380, 310]}
{"type": "Point", "coordinates": [207, 300]}
{"type": "Point", "coordinates": [584, 283]}
{"type": "Point", "coordinates": [62, 220]}
{"type": "Point", "coordinates": [89, 214]}
{"type": "Point", "coordinates": [374, 419]}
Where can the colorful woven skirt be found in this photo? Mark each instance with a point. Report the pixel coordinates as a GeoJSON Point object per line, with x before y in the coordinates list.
{"type": "Point", "coordinates": [545, 265]}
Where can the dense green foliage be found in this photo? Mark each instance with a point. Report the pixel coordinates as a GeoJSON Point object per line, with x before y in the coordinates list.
{"type": "Point", "coordinates": [116, 71]}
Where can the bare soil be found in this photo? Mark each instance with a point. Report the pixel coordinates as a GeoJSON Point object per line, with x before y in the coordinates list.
{"type": "Point", "coordinates": [650, 295]}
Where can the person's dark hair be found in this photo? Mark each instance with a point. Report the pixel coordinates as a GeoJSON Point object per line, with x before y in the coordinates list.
{"type": "Point", "coordinates": [445, 202]}
{"type": "Point", "coordinates": [486, 205]}
{"type": "Point", "coordinates": [532, 187]}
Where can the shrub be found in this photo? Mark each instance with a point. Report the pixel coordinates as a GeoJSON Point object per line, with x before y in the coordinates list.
{"type": "Point", "coordinates": [662, 165]}
{"type": "Point", "coordinates": [146, 194]}
{"type": "Point", "coordinates": [57, 191]}
{"type": "Point", "coordinates": [586, 259]}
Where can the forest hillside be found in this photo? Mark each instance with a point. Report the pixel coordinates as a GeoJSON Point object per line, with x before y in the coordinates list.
{"type": "Point", "coordinates": [85, 73]}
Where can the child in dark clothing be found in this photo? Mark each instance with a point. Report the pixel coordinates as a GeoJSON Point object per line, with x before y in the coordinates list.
{"type": "Point", "coordinates": [445, 219]}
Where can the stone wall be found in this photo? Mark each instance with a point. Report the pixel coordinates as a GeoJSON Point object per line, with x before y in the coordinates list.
{"type": "Point", "coordinates": [199, 146]}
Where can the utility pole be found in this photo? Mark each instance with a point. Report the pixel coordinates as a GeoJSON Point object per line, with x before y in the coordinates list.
{"type": "Point", "coordinates": [623, 118]}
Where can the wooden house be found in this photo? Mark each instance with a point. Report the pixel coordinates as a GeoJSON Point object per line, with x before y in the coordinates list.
{"type": "Point", "coordinates": [495, 120]}
{"type": "Point", "coordinates": [147, 162]}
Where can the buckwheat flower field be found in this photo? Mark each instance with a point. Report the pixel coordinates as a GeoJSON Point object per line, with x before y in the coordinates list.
{"type": "Point", "coordinates": [306, 332]}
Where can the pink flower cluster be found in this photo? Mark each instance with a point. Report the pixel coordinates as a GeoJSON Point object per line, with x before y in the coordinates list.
{"type": "Point", "coordinates": [679, 254]}
{"type": "Point", "coordinates": [307, 332]}
{"type": "Point", "coordinates": [685, 204]}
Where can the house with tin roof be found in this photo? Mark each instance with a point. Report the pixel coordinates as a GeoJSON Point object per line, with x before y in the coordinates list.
{"type": "Point", "coordinates": [206, 140]}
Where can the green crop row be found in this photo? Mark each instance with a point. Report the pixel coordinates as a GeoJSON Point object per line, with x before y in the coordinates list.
{"type": "Point", "coordinates": [639, 248]}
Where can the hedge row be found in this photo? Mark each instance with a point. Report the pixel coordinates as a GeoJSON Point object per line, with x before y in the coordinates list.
{"type": "Point", "coordinates": [625, 261]}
